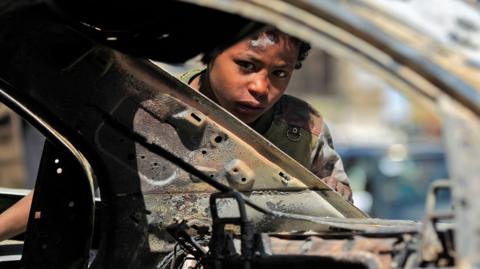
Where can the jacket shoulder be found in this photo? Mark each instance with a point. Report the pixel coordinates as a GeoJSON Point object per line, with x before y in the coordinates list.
{"type": "Point", "coordinates": [296, 112]}
{"type": "Point", "coordinates": [188, 76]}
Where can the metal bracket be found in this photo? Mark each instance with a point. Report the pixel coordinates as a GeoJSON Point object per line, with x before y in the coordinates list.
{"type": "Point", "coordinates": [432, 247]}
{"type": "Point", "coordinates": [221, 244]}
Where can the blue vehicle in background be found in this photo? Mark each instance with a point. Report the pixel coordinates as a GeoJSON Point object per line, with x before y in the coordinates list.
{"type": "Point", "coordinates": [393, 182]}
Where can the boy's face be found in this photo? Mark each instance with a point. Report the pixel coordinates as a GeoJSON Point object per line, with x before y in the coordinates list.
{"type": "Point", "coordinates": [249, 77]}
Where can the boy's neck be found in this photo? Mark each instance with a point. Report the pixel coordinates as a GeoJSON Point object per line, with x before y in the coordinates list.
{"type": "Point", "coordinates": [200, 83]}
{"type": "Point", "coordinates": [195, 83]}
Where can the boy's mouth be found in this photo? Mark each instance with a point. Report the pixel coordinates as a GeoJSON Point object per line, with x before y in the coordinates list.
{"type": "Point", "coordinates": [250, 108]}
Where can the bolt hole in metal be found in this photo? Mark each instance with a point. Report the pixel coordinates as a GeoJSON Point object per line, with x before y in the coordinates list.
{"type": "Point", "coordinates": [244, 179]}
{"type": "Point", "coordinates": [217, 139]}
{"type": "Point", "coordinates": [235, 170]}
{"type": "Point", "coordinates": [204, 152]}
{"type": "Point", "coordinates": [197, 118]}
{"type": "Point", "coordinates": [285, 177]}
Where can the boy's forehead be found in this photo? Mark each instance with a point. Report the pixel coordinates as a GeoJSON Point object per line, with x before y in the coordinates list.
{"type": "Point", "coordinates": [282, 46]}
{"type": "Point", "coordinates": [266, 39]}
{"type": "Point", "coordinates": [263, 41]}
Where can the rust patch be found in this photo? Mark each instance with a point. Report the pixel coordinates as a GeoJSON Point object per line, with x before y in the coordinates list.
{"type": "Point", "coordinates": [376, 252]}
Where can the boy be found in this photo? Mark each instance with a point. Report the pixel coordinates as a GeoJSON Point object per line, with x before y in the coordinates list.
{"type": "Point", "coordinates": [249, 80]}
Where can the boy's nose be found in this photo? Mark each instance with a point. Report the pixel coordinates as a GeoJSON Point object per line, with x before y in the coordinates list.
{"type": "Point", "coordinates": [259, 86]}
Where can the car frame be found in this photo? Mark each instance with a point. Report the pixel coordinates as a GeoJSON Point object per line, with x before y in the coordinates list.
{"type": "Point", "coordinates": [79, 122]}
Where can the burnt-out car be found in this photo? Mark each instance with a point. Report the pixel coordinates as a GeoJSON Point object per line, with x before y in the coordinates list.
{"type": "Point", "coordinates": [79, 71]}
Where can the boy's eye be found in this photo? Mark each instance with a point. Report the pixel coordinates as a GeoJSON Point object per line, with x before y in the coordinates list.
{"type": "Point", "coordinates": [246, 65]}
{"type": "Point", "coordinates": [280, 73]}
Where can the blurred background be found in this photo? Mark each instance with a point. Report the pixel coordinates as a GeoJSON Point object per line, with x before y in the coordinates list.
{"type": "Point", "coordinates": [390, 141]}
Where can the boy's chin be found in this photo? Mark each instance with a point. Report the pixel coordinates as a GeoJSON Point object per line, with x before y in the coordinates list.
{"type": "Point", "coordinates": [250, 120]}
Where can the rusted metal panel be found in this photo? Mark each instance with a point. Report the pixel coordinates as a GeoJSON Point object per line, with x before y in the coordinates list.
{"type": "Point", "coordinates": [208, 138]}
{"type": "Point", "coordinates": [372, 252]}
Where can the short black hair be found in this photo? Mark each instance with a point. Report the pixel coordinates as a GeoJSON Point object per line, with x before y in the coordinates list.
{"type": "Point", "coordinates": [304, 47]}
{"type": "Point", "coordinates": [302, 53]}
